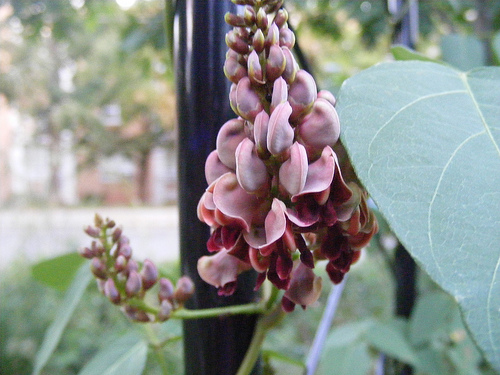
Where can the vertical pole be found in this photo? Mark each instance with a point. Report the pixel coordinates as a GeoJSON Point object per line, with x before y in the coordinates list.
{"type": "Point", "coordinates": [216, 345]}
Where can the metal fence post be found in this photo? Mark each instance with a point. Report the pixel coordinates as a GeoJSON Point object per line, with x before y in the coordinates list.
{"type": "Point", "coordinates": [216, 345]}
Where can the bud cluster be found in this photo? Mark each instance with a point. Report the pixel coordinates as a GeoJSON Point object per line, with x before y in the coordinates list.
{"type": "Point", "coordinates": [124, 282]}
{"type": "Point", "coordinates": [276, 200]}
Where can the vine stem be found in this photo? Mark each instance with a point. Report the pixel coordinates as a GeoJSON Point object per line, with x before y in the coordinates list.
{"type": "Point", "coordinates": [249, 308]}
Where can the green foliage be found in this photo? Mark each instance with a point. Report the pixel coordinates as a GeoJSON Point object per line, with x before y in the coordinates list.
{"type": "Point", "coordinates": [125, 355]}
{"type": "Point", "coordinates": [463, 51]}
{"type": "Point", "coordinates": [64, 313]}
{"type": "Point", "coordinates": [58, 272]}
{"type": "Point", "coordinates": [424, 140]}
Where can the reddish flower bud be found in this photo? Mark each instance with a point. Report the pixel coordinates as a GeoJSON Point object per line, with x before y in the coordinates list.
{"type": "Point", "coordinates": [302, 95]}
{"type": "Point", "coordinates": [87, 253]}
{"type": "Point", "coordinates": [92, 231]}
{"type": "Point", "coordinates": [280, 93]}
{"type": "Point", "coordinates": [236, 42]}
{"type": "Point", "coordinates": [116, 234]}
{"type": "Point", "coordinates": [234, 20]}
{"type": "Point", "coordinates": [111, 292]}
{"type": "Point", "coordinates": [149, 274]}
{"type": "Point", "coordinates": [275, 62]}
{"type": "Point", "coordinates": [255, 69]}
{"type": "Point", "coordinates": [250, 169]}
{"type": "Point", "coordinates": [261, 20]}
{"type": "Point", "coordinates": [166, 291]}
{"type": "Point", "coordinates": [184, 289]}
{"type": "Point", "coordinates": [260, 129]}
{"type": "Point", "coordinates": [273, 36]}
{"type": "Point", "coordinates": [125, 250]}
{"type": "Point", "coordinates": [133, 285]}
{"type": "Point", "coordinates": [281, 18]}
{"type": "Point", "coordinates": [229, 137]}
{"type": "Point", "coordinates": [258, 41]}
{"type": "Point", "coordinates": [291, 66]}
{"type": "Point", "coordinates": [120, 263]}
{"type": "Point", "coordinates": [98, 221]}
{"type": "Point", "coordinates": [247, 100]}
{"type": "Point", "coordinates": [233, 70]}
{"type": "Point", "coordinates": [280, 134]}
{"type": "Point", "coordinates": [327, 95]}
{"type": "Point", "coordinates": [98, 268]}
{"type": "Point", "coordinates": [287, 38]}
{"type": "Point", "coordinates": [249, 15]}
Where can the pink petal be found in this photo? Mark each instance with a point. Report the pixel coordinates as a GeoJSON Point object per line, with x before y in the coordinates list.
{"type": "Point", "coordinates": [206, 208]}
{"type": "Point", "coordinates": [220, 269]}
{"type": "Point", "coordinates": [260, 128]}
{"type": "Point", "coordinates": [275, 222]}
{"type": "Point", "coordinates": [302, 94]}
{"type": "Point", "coordinates": [214, 168]}
{"type": "Point", "coordinates": [320, 173]}
{"type": "Point", "coordinates": [247, 100]}
{"type": "Point", "coordinates": [234, 202]}
{"type": "Point", "coordinates": [280, 134]}
{"type": "Point", "coordinates": [254, 68]}
{"type": "Point", "coordinates": [320, 128]}
{"type": "Point", "coordinates": [250, 169]}
{"type": "Point", "coordinates": [280, 93]}
{"type": "Point", "coordinates": [305, 286]}
{"type": "Point", "coordinates": [229, 137]}
{"type": "Point", "coordinates": [293, 172]}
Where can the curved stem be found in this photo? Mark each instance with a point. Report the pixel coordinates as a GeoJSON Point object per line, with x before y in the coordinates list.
{"type": "Point", "coordinates": [250, 308]}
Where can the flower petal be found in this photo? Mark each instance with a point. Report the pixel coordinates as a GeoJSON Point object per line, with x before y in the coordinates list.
{"type": "Point", "coordinates": [280, 134]}
{"type": "Point", "coordinates": [234, 202]}
{"type": "Point", "coordinates": [319, 173]}
{"type": "Point", "coordinates": [220, 269]}
{"type": "Point", "coordinates": [305, 286]}
{"type": "Point", "coordinates": [229, 137]}
{"type": "Point", "coordinates": [275, 222]}
{"type": "Point", "coordinates": [293, 172]}
{"type": "Point", "coordinates": [214, 168]}
{"type": "Point", "coordinates": [280, 93]}
{"type": "Point", "coordinates": [260, 128]}
{"type": "Point", "coordinates": [302, 94]}
{"type": "Point", "coordinates": [250, 169]}
{"type": "Point", "coordinates": [247, 100]}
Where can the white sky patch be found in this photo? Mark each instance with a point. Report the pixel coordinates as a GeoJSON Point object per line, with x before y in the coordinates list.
{"type": "Point", "coordinates": [125, 4]}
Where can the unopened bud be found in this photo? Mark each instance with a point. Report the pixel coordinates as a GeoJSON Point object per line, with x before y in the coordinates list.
{"type": "Point", "coordinates": [255, 69]}
{"type": "Point", "coordinates": [249, 15]}
{"type": "Point", "coordinates": [287, 38]}
{"type": "Point", "coordinates": [132, 266]}
{"type": "Point", "coordinates": [166, 291]}
{"type": "Point", "coordinates": [273, 36]}
{"type": "Point", "coordinates": [258, 41]}
{"type": "Point", "coordinates": [184, 289]}
{"type": "Point", "coordinates": [281, 18]}
{"type": "Point", "coordinates": [110, 223]}
{"type": "Point", "coordinates": [120, 263]}
{"type": "Point", "coordinates": [236, 42]}
{"type": "Point", "coordinates": [234, 20]}
{"type": "Point", "coordinates": [261, 19]}
{"type": "Point", "coordinates": [134, 284]}
{"type": "Point", "coordinates": [233, 70]}
{"type": "Point", "coordinates": [116, 234]}
{"type": "Point", "coordinates": [111, 292]}
{"type": "Point", "coordinates": [86, 252]}
{"type": "Point", "coordinates": [275, 63]}
{"type": "Point", "coordinates": [125, 250]}
{"type": "Point", "coordinates": [92, 231]}
{"type": "Point", "coordinates": [149, 274]}
{"type": "Point", "coordinates": [98, 268]}
{"type": "Point", "coordinates": [291, 66]}
{"type": "Point", "coordinates": [165, 311]}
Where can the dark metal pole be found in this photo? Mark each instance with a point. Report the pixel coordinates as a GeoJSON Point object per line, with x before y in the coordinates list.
{"type": "Point", "coordinates": [217, 345]}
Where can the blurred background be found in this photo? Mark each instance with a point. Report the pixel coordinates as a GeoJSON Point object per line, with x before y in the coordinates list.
{"type": "Point", "coordinates": [87, 124]}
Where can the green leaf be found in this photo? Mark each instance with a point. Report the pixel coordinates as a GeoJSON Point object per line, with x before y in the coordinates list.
{"type": "Point", "coordinates": [58, 272]}
{"type": "Point", "coordinates": [346, 360]}
{"type": "Point", "coordinates": [403, 53]}
{"type": "Point", "coordinates": [124, 356]}
{"type": "Point", "coordinates": [424, 139]}
{"type": "Point", "coordinates": [389, 339]}
{"type": "Point", "coordinates": [55, 330]}
{"type": "Point", "coordinates": [348, 333]}
{"type": "Point", "coordinates": [463, 51]}
{"type": "Point", "coordinates": [282, 358]}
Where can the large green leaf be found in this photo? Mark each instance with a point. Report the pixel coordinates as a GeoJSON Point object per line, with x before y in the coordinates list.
{"type": "Point", "coordinates": [124, 356]}
{"type": "Point", "coordinates": [58, 272]}
{"type": "Point", "coordinates": [425, 141]}
{"type": "Point", "coordinates": [64, 312]}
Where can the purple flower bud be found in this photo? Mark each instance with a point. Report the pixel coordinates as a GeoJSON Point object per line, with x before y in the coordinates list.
{"type": "Point", "coordinates": [234, 20]}
{"type": "Point", "coordinates": [233, 70]}
{"type": "Point", "coordinates": [133, 285]}
{"type": "Point", "coordinates": [280, 93]}
{"type": "Point", "coordinates": [287, 38]}
{"type": "Point", "coordinates": [232, 98]}
{"type": "Point", "coordinates": [117, 234]}
{"type": "Point", "coordinates": [141, 316]}
{"type": "Point", "coordinates": [236, 42]}
{"type": "Point", "coordinates": [166, 291]}
{"type": "Point", "coordinates": [273, 36]}
{"type": "Point", "coordinates": [275, 62]}
{"type": "Point", "coordinates": [98, 268]}
{"type": "Point", "coordinates": [184, 289]}
{"type": "Point", "coordinates": [110, 223]}
{"type": "Point", "coordinates": [261, 20]}
{"type": "Point", "coordinates": [291, 66]}
{"type": "Point", "coordinates": [258, 41]}
{"type": "Point", "coordinates": [125, 250]}
{"type": "Point", "coordinates": [111, 292]}
{"type": "Point", "coordinates": [92, 231]}
{"type": "Point", "coordinates": [247, 100]}
{"type": "Point", "coordinates": [302, 95]}
{"type": "Point", "coordinates": [280, 134]}
{"type": "Point", "coordinates": [120, 263]}
{"type": "Point", "coordinates": [281, 17]}
{"type": "Point", "coordinates": [250, 169]}
{"type": "Point", "coordinates": [327, 95]}
{"type": "Point", "coordinates": [249, 15]}
{"type": "Point", "coordinates": [132, 266]}
{"type": "Point", "coordinates": [305, 286]}
{"type": "Point", "coordinates": [165, 311]}
{"type": "Point", "coordinates": [87, 253]}
{"type": "Point", "coordinates": [229, 137]}
{"type": "Point", "coordinates": [273, 6]}
{"type": "Point", "coordinates": [293, 172]}
{"type": "Point", "coordinates": [255, 69]}
{"type": "Point", "coordinates": [149, 274]}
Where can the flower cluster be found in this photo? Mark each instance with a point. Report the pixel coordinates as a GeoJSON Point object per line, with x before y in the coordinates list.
{"type": "Point", "coordinates": [276, 200]}
{"type": "Point", "coordinates": [124, 283]}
